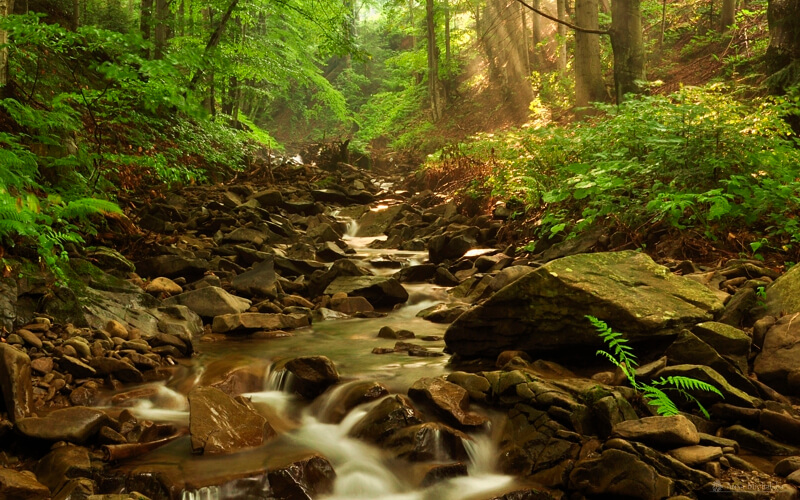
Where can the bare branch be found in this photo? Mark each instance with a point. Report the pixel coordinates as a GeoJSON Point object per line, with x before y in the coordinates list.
{"type": "Point", "coordinates": [565, 23]}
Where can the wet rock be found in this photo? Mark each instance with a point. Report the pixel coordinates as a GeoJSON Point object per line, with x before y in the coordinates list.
{"type": "Point", "coordinates": [670, 432]}
{"type": "Point", "coordinates": [312, 375]}
{"type": "Point", "coordinates": [781, 425]}
{"type": "Point", "coordinates": [77, 425]}
{"type": "Point", "coordinates": [268, 198]}
{"type": "Point", "coordinates": [387, 332]}
{"type": "Point", "coordinates": [119, 369]}
{"type": "Point", "coordinates": [731, 343]}
{"type": "Point", "coordinates": [416, 274]}
{"type": "Point", "coordinates": [8, 302]}
{"type": "Point", "coordinates": [475, 385]}
{"type": "Point", "coordinates": [757, 442]}
{"type": "Point", "coordinates": [220, 424]}
{"type": "Point", "coordinates": [619, 474]}
{"type": "Point", "coordinates": [260, 281]}
{"type": "Point", "coordinates": [377, 222]}
{"type": "Point", "coordinates": [536, 312]}
{"type": "Point", "coordinates": [82, 487]}
{"type": "Point", "coordinates": [210, 301]}
{"type": "Point", "coordinates": [380, 291]}
{"type": "Point", "coordinates": [452, 246]}
{"type": "Point", "coordinates": [179, 321]}
{"type": "Point", "coordinates": [381, 421]}
{"type": "Point", "coordinates": [449, 399]}
{"type": "Point", "coordinates": [163, 286]}
{"type": "Point", "coordinates": [15, 382]}
{"type": "Point", "coordinates": [426, 442]}
{"type": "Point", "coordinates": [442, 313]}
{"type": "Point", "coordinates": [349, 396]}
{"type": "Point", "coordinates": [235, 375]}
{"type": "Point", "coordinates": [21, 486]}
{"type": "Point", "coordinates": [439, 472]}
{"type": "Point", "coordinates": [302, 480]}
{"type": "Point", "coordinates": [508, 276]}
{"type": "Point", "coordinates": [779, 354]}
{"type": "Point", "coordinates": [351, 305]}
{"type": "Point", "coordinates": [62, 464]}
{"type": "Point", "coordinates": [330, 252]}
{"type": "Point", "coordinates": [250, 322]}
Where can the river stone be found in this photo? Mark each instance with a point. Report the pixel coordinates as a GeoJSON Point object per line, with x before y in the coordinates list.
{"type": "Point", "coordinates": [172, 266]}
{"type": "Point", "coordinates": [210, 301]}
{"type": "Point", "coordinates": [219, 423]}
{"type": "Point", "coordinates": [385, 418]}
{"type": "Point", "coordinates": [120, 369]}
{"type": "Point", "coordinates": [76, 424]}
{"type": "Point", "coordinates": [30, 338]}
{"type": "Point", "coordinates": [348, 396]}
{"type": "Point", "coordinates": [783, 296]}
{"type": "Point", "coordinates": [163, 285]}
{"type": "Point", "coordinates": [21, 486]}
{"type": "Point", "coordinates": [260, 281]}
{"type": "Point", "coordinates": [781, 425]}
{"type": "Point", "coordinates": [380, 291]}
{"type": "Point", "coordinates": [780, 352]}
{"type": "Point", "coordinates": [695, 456]}
{"type": "Point", "coordinates": [351, 305]}
{"type": "Point", "coordinates": [618, 474]}
{"type": "Point", "coordinates": [730, 342]}
{"type": "Point", "coordinates": [15, 382]}
{"type": "Point", "coordinates": [377, 222]}
{"type": "Point", "coordinates": [670, 432]}
{"type": "Point", "coordinates": [757, 442]}
{"type": "Point", "coordinates": [250, 322]}
{"type": "Point", "coordinates": [62, 464]}
{"type": "Point", "coordinates": [449, 399]}
{"type": "Point", "coordinates": [787, 466]}
{"type": "Point", "coordinates": [427, 442]}
{"type": "Point", "coordinates": [312, 375]}
{"type": "Point", "coordinates": [543, 310]}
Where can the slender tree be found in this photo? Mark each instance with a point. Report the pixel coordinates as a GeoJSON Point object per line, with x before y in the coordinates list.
{"type": "Point", "coordinates": [589, 86]}
{"type": "Point", "coordinates": [434, 85]}
{"type": "Point", "coordinates": [727, 15]}
{"type": "Point", "coordinates": [627, 44]}
{"type": "Point", "coordinates": [561, 8]}
{"type": "Point", "coordinates": [783, 53]}
{"type": "Point", "coordinates": [6, 8]}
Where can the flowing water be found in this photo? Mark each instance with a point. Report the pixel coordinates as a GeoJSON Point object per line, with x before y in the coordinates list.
{"type": "Point", "coordinates": [363, 471]}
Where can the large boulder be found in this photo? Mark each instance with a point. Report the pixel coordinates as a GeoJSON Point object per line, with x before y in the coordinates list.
{"type": "Point", "coordinates": [780, 352]}
{"type": "Point", "coordinates": [377, 222]}
{"type": "Point", "coordinates": [219, 423]}
{"type": "Point", "coordinates": [672, 432]}
{"type": "Point", "coordinates": [449, 400]}
{"type": "Point", "coordinates": [783, 296]}
{"type": "Point", "coordinates": [210, 301]}
{"type": "Point", "coordinates": [543, 310]}
{"type": "Point", "coordinates": [21, 486]}
{"type": "Point", "coordinates": [617, 474]}
{"type": "Point", "coordinates": [15, 382]}
{"type": "Point", "coordinates": [380, 291]}
{"type": "Point", "coordinates": [250, 322]}
{"type": "Point", "coordinates": [260, 281]}
{"type": "Point", "coordinates": [312, 375]}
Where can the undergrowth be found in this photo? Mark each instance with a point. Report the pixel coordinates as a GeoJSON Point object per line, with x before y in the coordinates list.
{"type": "Point", "coordinates": [700, 158]}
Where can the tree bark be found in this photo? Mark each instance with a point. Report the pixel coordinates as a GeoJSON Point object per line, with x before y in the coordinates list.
{"type": "Point", "coordinates": [783, 53]}
{"type": "Point", "coordinates": [76, 14]}
{"type": "Point", "coordinates": [589, 86]}
{"type": "Point", "coordinates": [628, 45]}
{"type": "Point", "coordinates": [6, 8]}
{"type": "Point", "coordinates": [561, 6]}
{"type": "Point", "coordinates": [433, 63]}
{"type": "Point", "coordinates": [214, 40]}
{"type": "Point", "coordinates": [727, 15]}
{"type": "Point", "coordinates": [146, 21]}
{"type": "Point", "coordinates": [162, 28]}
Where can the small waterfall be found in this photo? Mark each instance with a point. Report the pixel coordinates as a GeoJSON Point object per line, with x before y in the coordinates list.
{"type": "Point", "coordinates": [279, 380]}
{"type": "Point", "coordinates": [166, 405]}
{"type": "Point", "coordinates": [205, 493]}
{"type": "Point", "coordinates": [352, 228]}
{"type": "Point", "coordinates": [481, 452]}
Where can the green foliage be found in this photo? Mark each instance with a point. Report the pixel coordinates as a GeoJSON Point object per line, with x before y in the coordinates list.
{"type": "Point", "coordinates": [654, 393]}
{"type": "Point", "coordinates": [700, 158]}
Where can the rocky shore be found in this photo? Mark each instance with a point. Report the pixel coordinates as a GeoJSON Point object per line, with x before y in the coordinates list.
{"type": "Point", "coordinates": [266, 256]}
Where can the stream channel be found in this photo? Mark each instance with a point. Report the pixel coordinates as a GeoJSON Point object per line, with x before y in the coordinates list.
{"type": "Point", "coordinates": [363, 470]}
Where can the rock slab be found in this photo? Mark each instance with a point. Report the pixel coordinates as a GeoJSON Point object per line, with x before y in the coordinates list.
{"type": "Point", "coordinates": [537, 312]}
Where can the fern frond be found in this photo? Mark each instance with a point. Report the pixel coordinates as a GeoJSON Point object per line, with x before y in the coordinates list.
{"type": "Point", "coordinates": [659, 400]}
{"type": "Point", "coordinates": [687, 384]}
{"type": "Point", "coordinates": [84, 207]}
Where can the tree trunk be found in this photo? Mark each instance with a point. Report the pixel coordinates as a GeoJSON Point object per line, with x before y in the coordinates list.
{"type": "Point", "coordinates": [433, 63]}
{"type": "Point", "coordinates": [6, 8]}
{"type": "Point", "coordinates": [536, 31]}
{"type": "Point", "coordinates": [728, 15]}
{"type": "Point", "coordinates": [411, 21]}
{"type": "Point", "coordinates": [524, 42]}
{"type": "Point", "coordinates": [783, 53]}
{"type": "Point", "coordinates": [628, 46]}
{"type": "Point", "coordinates": [76, 14]}
{"type": "Point", "coordinates": [561, 7]}
{"type": "Point", "coordinates": [213, 41]}
{"type": "Point", "coordinates": [162, 28]}
{"type": "Point", "coordinates": [146, 21]}
{"type": "Point", "coordinates": [589, 86]}
{"type": "Point", "coordinates": [663, 27]}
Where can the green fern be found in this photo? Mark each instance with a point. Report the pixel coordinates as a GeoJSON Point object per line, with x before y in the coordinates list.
{"type": "Point", "coordinates": [654, 393]}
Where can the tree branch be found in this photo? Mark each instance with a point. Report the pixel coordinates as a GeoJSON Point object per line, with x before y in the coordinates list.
{"type": "Point", "coordinates": [565, 23]}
